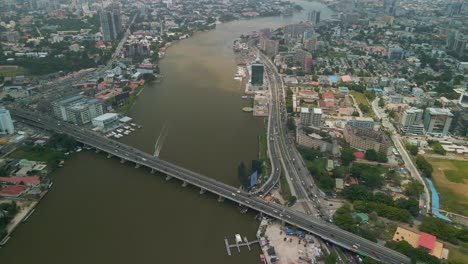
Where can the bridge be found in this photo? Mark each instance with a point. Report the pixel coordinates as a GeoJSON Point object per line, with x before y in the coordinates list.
{"type": "Point", "coordinates": [305, 222]}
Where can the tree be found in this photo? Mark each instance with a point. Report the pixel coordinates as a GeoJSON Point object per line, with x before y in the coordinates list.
{"type": "Point", "coordinates": [371, 155]}
{"type": "Point", "coordinates": [411, 204]}
{"type": "Point", "coordinates": [413, 149]}
{"type": "Point", "coordinates": [347, 156]}
{"type": "Point", "coordinates": [291, 124]}
{"type": "Point", "coordinates": [344, 219]}
{"type": "Point", "coordinates": [331, 259]}
{"type": "Point", "coordinates": [424, 166]}
{"type": "Point", "coordinates": [439, 228]}
{"type": "Point", "coordinates": [381, 102]}
{"type": "Point", "coordinates": [148, 77]}
{"type": "Point", "coordinates": [370, 95]}
{"type": "Point", "coordinates": [414, 189]}
{"type": "Point", "coordinates": [339, 171]}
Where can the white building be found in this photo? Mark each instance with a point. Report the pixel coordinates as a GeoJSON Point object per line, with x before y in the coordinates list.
{"type": "Point", "coordinates": [437, 121]}
{"type": "Point", "coordinates": [78, 109]}
{"type": "Point", "coordinates": [364, 122]}
{"type": "Point", "coordinates": [6, 124]}
{"type": "Point", "coordinates": [106, 121]}
{"type": "Point", "coordinates": [311, 118]}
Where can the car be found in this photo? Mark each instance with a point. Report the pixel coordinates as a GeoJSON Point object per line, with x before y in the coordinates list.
{"type": "Point", "coordinates": [233, 194]}
{"type": "Point", "coordinates": [238, 191]}
{"type": "Point", "coordinates": [143, 159]}
{"type": "Point", "coordinates": [247, 202]}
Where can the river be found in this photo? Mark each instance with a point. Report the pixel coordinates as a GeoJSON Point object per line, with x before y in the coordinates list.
{"type": "Point", "coordinates": [100, 211]}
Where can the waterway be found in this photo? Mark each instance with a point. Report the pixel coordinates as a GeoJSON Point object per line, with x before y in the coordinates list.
{"type": "Point", "coordinates": [100, 211]}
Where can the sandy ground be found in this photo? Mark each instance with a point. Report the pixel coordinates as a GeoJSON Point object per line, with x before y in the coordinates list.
{"type": "Point", "coordinates": [26, 207]}
{"type": "Point", "coordinates": [290, 251]}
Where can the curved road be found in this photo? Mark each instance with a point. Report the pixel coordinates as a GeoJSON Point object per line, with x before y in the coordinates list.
{"type": "Point", "coordinates": [325, 230]}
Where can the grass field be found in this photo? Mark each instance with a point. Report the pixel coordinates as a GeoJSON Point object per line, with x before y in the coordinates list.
{"type": "Point", "coordinates": [458, 254]}
{"type": "Point", "coordinates": [361, 99]}
{"type": "Point", "coordinates": [12, 72]}
{"type": "Point", "coordinates": [451, 181]}
{"type": "Point", "coordinates": [37, 154]}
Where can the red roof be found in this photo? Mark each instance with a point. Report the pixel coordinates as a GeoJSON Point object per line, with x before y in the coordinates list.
{"type": "Point", "coordinates": [29, 180]}
{"type": "Point", "coordinates": [13, 190]}
{"type": "Point", "coordinates": [328, 95]}
{"type": "Point", "coordinates": [359, 155]}
{"type": "Point", "coordinates": [426, 240]}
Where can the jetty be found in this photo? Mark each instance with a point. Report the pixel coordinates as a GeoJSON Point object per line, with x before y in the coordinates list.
{"type": "Point", "coordinates": [239, 243]}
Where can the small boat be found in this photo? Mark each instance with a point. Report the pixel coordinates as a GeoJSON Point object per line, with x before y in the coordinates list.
{"type": "Point", "coordinates": [79, 150]}
{"type": "Point", "coordinates": [247, 109]}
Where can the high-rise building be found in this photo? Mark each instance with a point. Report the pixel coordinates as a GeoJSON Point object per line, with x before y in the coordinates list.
{"type": "Point", "coordinates": [256, 77]}
{"type": "Point", "coordinates": [389, 7]}
{"type": "Point", "coordinates": [111, 22]}
{"type": "Point", "coordinates": [412, 121]}
{"type": "Point", "coordinates": [6, 124]}
{"type": "Point", "coordinates": [304, 58]}
{"type": "Point", "coordinates": [363, 122]}
{"type": "Point", "coordinates": [311, 118]}
{"type": "Point", "coordinates": [437, 121]}
{"type": "Point", "coordinates": [314, 16]}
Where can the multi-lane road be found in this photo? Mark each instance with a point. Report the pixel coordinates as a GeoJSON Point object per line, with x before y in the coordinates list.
{"type": "Point", "coordinates": [127, 153]}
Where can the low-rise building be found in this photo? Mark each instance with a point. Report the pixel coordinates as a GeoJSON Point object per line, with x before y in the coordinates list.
{"type": "Point", "coordinates": [422, 240]}
{"type": "Point", "coordinates": [365, 139]}
{"type": "Point", "coordinates": [363, 122]}
{"type": "Point", "coordinates": [106, 121]}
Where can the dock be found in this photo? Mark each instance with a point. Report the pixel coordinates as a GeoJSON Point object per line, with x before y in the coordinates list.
{"type": "Point", "coordinates": [239, 245]}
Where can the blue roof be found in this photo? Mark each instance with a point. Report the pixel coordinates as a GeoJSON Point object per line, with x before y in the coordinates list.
{"type": "Point", "coordinates": [253, 179]}
{"type": "Point", "coordinates": [435, 202]}
{"type": "Point", "coordinates": [333, 78]}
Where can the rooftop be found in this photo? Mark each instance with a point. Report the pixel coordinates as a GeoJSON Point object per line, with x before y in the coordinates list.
{"type": "Point", "coordinates": [317, 110]}
{"type": "Point", "coordinates": [13, 190]}
{"type": "Point", "coordinates": [439, 111]}
{"type": "Point", "coordinates": [105, 116]}
{"type": "Point", "coordinates": [426, 240]}
{"type": "Point", "coordinates": [305, 110]}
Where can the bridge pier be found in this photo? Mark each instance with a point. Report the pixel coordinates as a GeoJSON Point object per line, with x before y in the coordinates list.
{"type": "Point", "coordinates": [184, 184]}
{"type": "Point", "coordinates": [137, 166]}
{"type": "Point", "coordinates": [220, 199]}
{"type": "Point", "coordinates": [97, 151]}
{"type": "Point", "coordinates": [122, 161]}
{"type": "Point", "coordinates": [109, 156]}
{"type": "Point", "coordinates": [152, 171]}
{"type": "Point", "coordinates": [202, 191]}
{"type": "Point", "coordinates": [168, 177]}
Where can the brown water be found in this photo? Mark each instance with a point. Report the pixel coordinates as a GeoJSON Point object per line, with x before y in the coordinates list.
{"type": "Point", "coordinates": [101, 211]}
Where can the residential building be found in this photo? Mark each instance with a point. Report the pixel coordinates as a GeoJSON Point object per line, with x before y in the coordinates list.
{"type": "Point", "coordinates": [6, 124]}
{"type": "Point", "coordinates": [364, 139]}
{"type": "Point", "coordinates": [412, 121]}
{"type": "Point", "coordinates": [437, 121]}
{"type": "Point", "coordinates": [311, 118]}
{"type": "Point", "coordinates": [78, 109]}
{"type": "Point", "coordinates": [362, 122]}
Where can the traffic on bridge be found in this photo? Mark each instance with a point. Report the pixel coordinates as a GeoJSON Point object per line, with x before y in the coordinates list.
{"type": "Point", "coordinates": [310, 224]}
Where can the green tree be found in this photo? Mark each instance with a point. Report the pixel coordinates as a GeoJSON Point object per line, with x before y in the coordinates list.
{"type": "Point", "coordinates": [347, 156]}
{"type": "Point", "coordinates": [413, 149]}
{"type": "Point", "coordinates": [344, 219]}
{"type": "Point", "coordinates": [339, 171]}
{"type": "Point", "coordinates": [371, 155]}
{"type": "Point", "coordinates": [414, 189]}
{"type": "Point", "coordinates": [424, 166]}
{"type": "Point", "coordinates": [331, 259]}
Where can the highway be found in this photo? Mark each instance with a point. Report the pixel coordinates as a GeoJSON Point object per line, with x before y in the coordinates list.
{"type": "Point", "coordinates": [127, 153]}
{"type": "Point", "coordinates": [298, 176]}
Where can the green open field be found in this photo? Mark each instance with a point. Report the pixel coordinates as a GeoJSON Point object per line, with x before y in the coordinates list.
{"type": "Point", "coordinates": [361, 99]}
{"type": "Point", "coordinates": [37, 154]}
{"type": "Point", "coordinates": [458, 254]}
{"type": "Point", "coordinates": [451, 180]}
{"type": "Point", "coordinates": [12, 72]}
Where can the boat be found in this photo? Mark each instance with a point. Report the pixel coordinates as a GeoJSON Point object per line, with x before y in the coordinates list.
{"type": "Point", "coordinates": [238, 238]}
{"type": "Point", "coordinates": [133, 124]}
{"type": "Point", "coordinates": [79, 150]}
{"type": "Point", "coordinates": [263, 259]}
{"type": "Point", "coordinates": [247, 109]}
{"type": "Point", "coordinates": [132, 129]}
